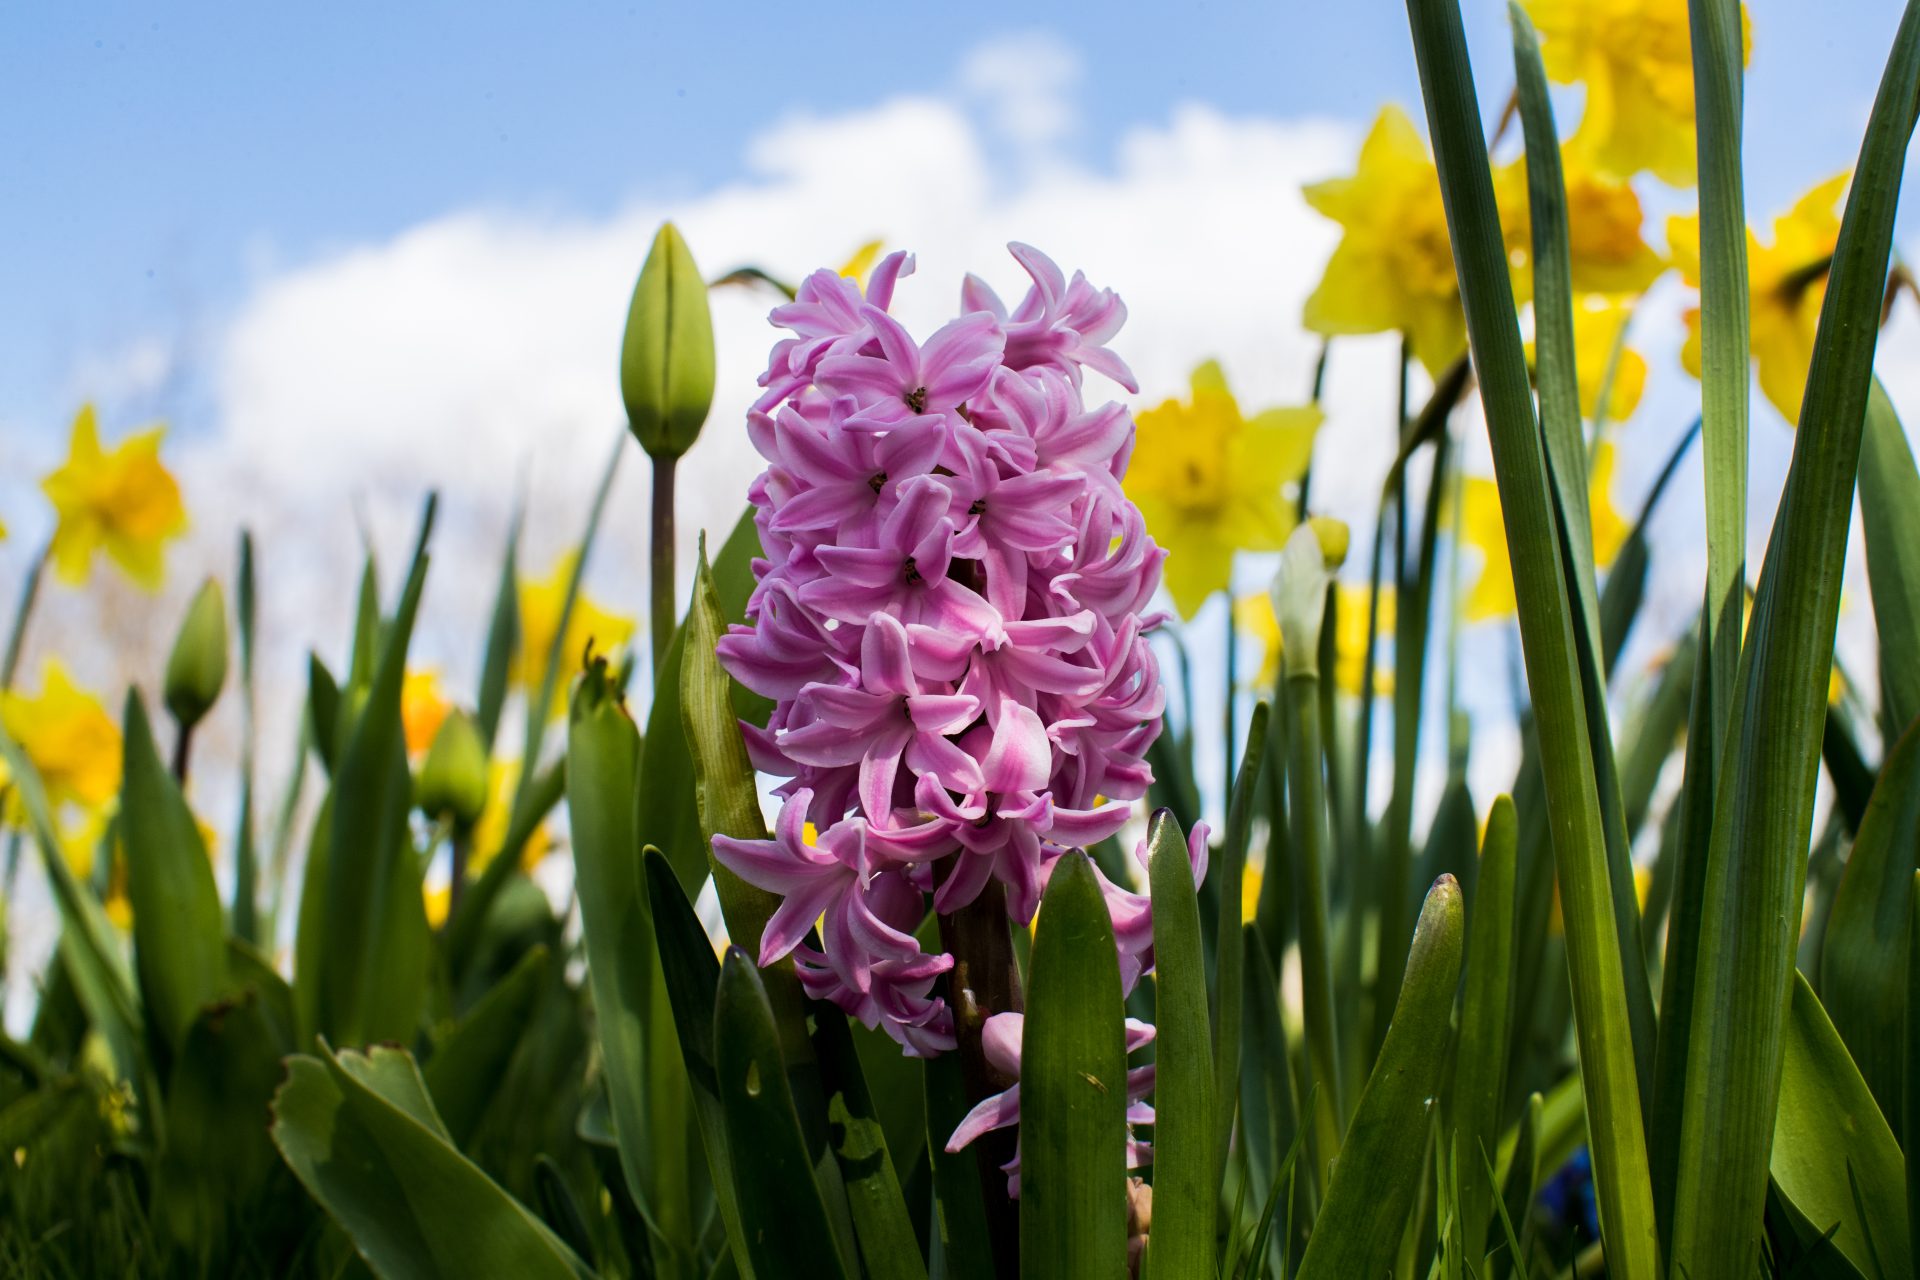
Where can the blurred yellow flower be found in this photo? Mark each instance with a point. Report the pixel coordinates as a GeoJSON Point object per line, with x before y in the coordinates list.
{"type": "Point", "coordinates": [124, 502]}
{"type": "Point", "coordinates": [1606, 247]}
{"type": "Point", "coordinates": [1250, 879]}
{"type": "Point", "coordinates": [1635, 59]}
{"type": "Point", "coordinates": [1786, 282]}
{"type": "Point", "coordinates": [72, 741]}
{"type": "Point", "coordinates": [438, 898]}
{"type": "Point", "coordinates": [1597, 323]}
{"type": "Point", "coordinates": [856, 267]}
{"type": "Point", "coordinates": [1253, 615]}
{"type": "Point", "coordinates": [540, 604]}
{"type": "Point", "coordinates": [490, 832]}
{"type": "Point", "coordinates": [1211, 482]}
{"type": "Point", "coordinates": [422, 707]}
{"type": "Point", "coordinates": [1392, 271]}
{"type": "Point", "coordinates": [1483, 527]}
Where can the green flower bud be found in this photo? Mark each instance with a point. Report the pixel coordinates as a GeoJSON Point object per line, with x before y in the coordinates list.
{"type": "Point", "coordinates": [198, 666]}
{"type": "Point", "coordinates": [453, 778]}
{"type": "Point", "coordinates": [666, 358]}
{"type": "Point", "coordinates": [1300, 597]}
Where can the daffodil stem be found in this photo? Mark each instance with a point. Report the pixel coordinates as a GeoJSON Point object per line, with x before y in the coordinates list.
{"type": "Point", "coordinates": [16, 638]}
{"type": "Point", "coordinates": [985, 980]}
{"type": "Point", "coordinates": [660, 548]}
{"type": "Point", "coordinates": [461, 848]}
{"type": "Point", "coordinates": [1307, 813]}
{"type": "Point", "coordinates": [182, 751]}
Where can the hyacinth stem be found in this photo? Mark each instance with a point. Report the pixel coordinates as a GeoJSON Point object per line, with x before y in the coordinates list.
{"type": "Point", "coordinates": [985, 980]}
{"type": "Point", "coordinates": [660, 548]}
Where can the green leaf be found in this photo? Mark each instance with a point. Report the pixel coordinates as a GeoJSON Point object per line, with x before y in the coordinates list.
{"type": "Point", "coordinates": [783, 1218]}
{"type": "Point", "coordinates": [888, 1246]}
{"type": "Point", "coordinates": [1522, 1182]}
{"type": "Point", "coordinates": [1910, 1131]}
{"type": "Point", "coordinates": [352, 1129]}
{"type": "Point", "coordinates": [467, 1066]}
{"type": "Point", "coordinates": [87, 948]}
{"type": "Point", "coordinates": [1479, 1081]}
{"type": "Point", "coordinates": [373, 960]}
{"type": "Point", "coordinates": [1230, 959]}
{"type": "Point", "coordinates": [323, 710]}
{"type": "Point", "coordinates": [668, 819]}
{"type": "Point", "coordinates": [1547, 633]}
{"type": "Point", "coordinates": [1073, 1087]}
{"type": "Point", "coordinates": [647, 1090]}
{"type": "Point", "coordinates": [962, 1240]}
{"type": "Point", "coordinates": [1307, 811]}
{"type": "Point", "coordinates": [179, 931]}
{"type": "Point", "coordinates": [218, 1162]}
{"type": "Point", "coordinates": [1186, 1182]}
{"type": "Point", "coordinates": [1269, 1118]}
{"type": "Point", "coordinates": [1861, 969]}
{"type": "Point", "coordinates": [1763, 810]}
{"type": "Point", "coordinates": [1370, 1195]}
{"type": "Point", "coordinates": [1834, 1158]}
{"type": "Point", "coordinates": [691, 975]}
{"type": "Point", "coordinates": [246, 873]}
{"type": "Point", "coordinates": [1890, 519]}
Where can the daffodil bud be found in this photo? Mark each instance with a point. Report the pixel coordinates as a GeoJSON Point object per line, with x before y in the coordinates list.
{"type": "Point", "coordinates": [453, 778]}
{"type": "Point", "coordinates": [1300, 598]}
{"type": "Point", "coordinates": [1334, 538]}
{"type": "Point", "coordinates": [198, 665]}
{"type": "Point", "coordinates": [666, 358]}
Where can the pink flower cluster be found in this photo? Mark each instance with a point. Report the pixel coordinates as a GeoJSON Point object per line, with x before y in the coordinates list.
{"type": "Point", "coordinates": [949, 621]}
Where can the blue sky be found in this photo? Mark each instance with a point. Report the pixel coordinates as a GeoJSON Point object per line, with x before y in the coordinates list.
{"type": "Point", "coordinates": [159, 158]}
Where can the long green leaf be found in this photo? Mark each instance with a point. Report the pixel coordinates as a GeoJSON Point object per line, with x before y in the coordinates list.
{"type": "Point", "coordinates": [1547, 622]}
{"type": "Point", "coordinates": [1230, 951]}
{"type": "Point", "coordinates": [179, 933]}
{"type": "Point", "coordinates": [503, 637]}
{"type": "Point", "coordinates": [692, 975]}
{"type": "Point", "coordinates": [358, 1138]}
{"type": "Point", "coordinates": [1763, 812]}
{"type": "Point", "coordinates": [1910, 1131]}
{"type": "Point", "coordinates": [1862, 977]}
{"type": "Point", "coordinates": [1073, 1087]}
{"type": "Point", "coordinates": [1890, 521]}
{"type": "Point", "coordinates": [373, 960]}
{"type": "Point", "coordinates": [1371, 1193]}
{"type": "Point", "coordinates": [888, 1247]}
{"type": "Point", "coordinates": [1269, 1119]}
{"type": "Point", "coordinates": [783, 1220]}
{"type": "Point", "coordinates": [246, 873]}
{"type": "Point", "coordinates": [963, 1242]}
{"type": "Point", "coordinates": [1306, 808]}
{"type": "Point", "coordinates": [1185, 1180]}
{"type": "Point", "coordinates": [669, 819]}
{"type": "Point", "coordinates": [1479, 1083]}
{"type": "Point", "coordinates": [647, 1090]}
{"type": "Point", "coordinates": [1833, 1157]}
{"type": "Point", "coordinates": [467, 1066]}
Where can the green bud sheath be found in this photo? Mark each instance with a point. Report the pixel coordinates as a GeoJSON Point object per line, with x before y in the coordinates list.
{"type": "Point", "coordinates": [666, 358]}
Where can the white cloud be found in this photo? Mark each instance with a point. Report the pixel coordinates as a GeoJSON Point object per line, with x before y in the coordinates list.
{"type": "Point", "coordinates": [1027, 84]}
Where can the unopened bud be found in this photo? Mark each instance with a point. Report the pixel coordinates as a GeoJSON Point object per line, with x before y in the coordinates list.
{"type": "Point", "coordinates": [453, 778]}
{"type": "Point", "coordinates": [198, 665]}
{"type": "Point", "coordinates": [1334, 538]}
{"type": "Point", "coordinates": [666, 358]}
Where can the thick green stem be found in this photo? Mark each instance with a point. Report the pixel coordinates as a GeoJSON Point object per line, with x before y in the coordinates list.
{"type": "Point", "coordinates": [660, 549]}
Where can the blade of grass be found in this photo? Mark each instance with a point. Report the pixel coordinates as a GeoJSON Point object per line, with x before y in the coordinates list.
{"type": "Point", "coordinates": [1547, 623]}
{"type": "Point", "coordinates": [503, 636]}
{"type": "Point", "coordinates": [1890, 521]}
{"type": "Point", "coordinates": [1763, 811]}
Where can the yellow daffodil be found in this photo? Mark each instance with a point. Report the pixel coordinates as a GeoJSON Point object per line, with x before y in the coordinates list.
{"type": "Point", "coordinates": [1597, 323]}
{"type": "Point", "coordinates": [1253, 615]}
{"type": "Point", "coordinates": [856, 267]}
{"type": "Point", "coordinates": [1250, 878]}
{"type": "Point", "coordinates": [1786, 282]}
{"type": "Point", "coordinates": [490, 832]}
{"type": "Point", "coordinates": [1392, 271]}
{"type": "Point", "coordinates": [438, 898]}
{"type": "Point", "coordinates": [422, 707]}
{"type": "Point", "coordinates": [1606, 248]}
{"type": "Point", "coordinates": [1211, 482]}
{"type": "Point", "coordinates": [124, 502]}
{"type": "Point", "coordinates": [72, 741]}
{"type": "Point", "coordinates": [1483, 528]}
{"type": "Point", "coordinates": [1635, 59]}
{"type": "Point", "coordinates": [540, 604]}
